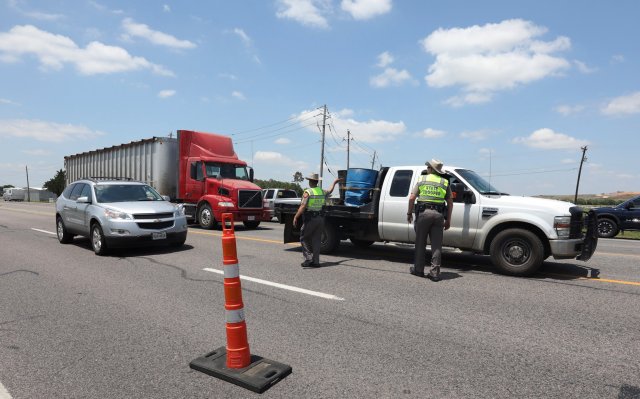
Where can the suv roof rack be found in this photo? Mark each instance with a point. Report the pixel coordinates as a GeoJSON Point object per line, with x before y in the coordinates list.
{"type": "Point", "coordinates": [96, 178]}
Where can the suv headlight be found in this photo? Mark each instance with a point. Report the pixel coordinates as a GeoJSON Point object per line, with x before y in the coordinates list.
{"type": "Point", "coordinates": [112, 214]}
{"type": "Point", "coordinates": [179, 210]}
{"type": "Point", "coordinates": [562, 224]}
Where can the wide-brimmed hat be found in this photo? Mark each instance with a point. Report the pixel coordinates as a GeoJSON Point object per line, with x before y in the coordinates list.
{"type": "Point", "coordinates": [313, 176]}
{"type": "Point", "coordinates": [436, 165]}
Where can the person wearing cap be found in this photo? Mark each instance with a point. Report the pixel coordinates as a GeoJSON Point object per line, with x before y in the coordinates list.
{"type": "Point", "coordinates": [310, 209]}
{"type": "Point", "coordinates": [432, 192]}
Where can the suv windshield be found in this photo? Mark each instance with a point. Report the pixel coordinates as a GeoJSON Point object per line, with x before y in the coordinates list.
{"type": "Point", "coordinates": [226, 170]}
{"type": "Point", "coordinates": [477, 182]}
{"type": "Point", "coordinates": [126, 193]}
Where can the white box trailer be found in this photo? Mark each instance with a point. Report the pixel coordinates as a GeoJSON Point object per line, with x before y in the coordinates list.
{"type": "Point", "coordinates": [153, 161]}
{"type": "Point", "coordinates": [14, 194]}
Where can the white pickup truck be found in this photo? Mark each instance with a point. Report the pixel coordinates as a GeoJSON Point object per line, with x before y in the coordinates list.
{"type": "Point", "coordinates": [518, 233]}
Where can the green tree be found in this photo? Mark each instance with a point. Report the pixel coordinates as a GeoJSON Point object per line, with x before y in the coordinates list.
{"type": "Point", "coordinates": [56, 184]}
{"type": "Point", "coordinates": [297, 177]}
{"type": "Point", "coordinates": [8, 186]}
{"type": "Point", "coordinates": [278, 184]}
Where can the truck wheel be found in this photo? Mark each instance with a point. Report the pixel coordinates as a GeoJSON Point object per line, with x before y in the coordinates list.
{"type": "Point", "coordinates": [607, 228]}
{"type": "Point", "coordinates": [98, 242]}
{"type": "Point", "coordinates": [329, 240]}
{"type": "Point", "coordinates": [205, 218]}
{"type": "Point", "coordinates": [63, 235]}
{"type": "Point", "coordinates": [361, 243]}
{"type": "Point", "coordinates": [251, 224]}
{"type": "Point", "coordinates": [517, 252]}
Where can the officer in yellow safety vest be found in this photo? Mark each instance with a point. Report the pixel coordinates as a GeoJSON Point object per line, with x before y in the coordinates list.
{"type": "Point", "coordinates": [432, 193]}
{"type": "Point", "coordinates": [310, 208]}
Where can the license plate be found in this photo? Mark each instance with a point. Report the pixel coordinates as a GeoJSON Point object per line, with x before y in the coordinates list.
{"type": "Point", "coordinates": [159, 236]}
{"type": "Point", "coordinates": [251, 218]}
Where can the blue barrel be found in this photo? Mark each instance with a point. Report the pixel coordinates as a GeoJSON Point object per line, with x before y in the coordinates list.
{"type": "Point", "coordinates": [358, 186]}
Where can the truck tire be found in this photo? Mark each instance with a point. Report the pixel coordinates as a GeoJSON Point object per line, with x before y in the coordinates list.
{"type": "Point", "coordinates": [251, 224]}
{"type": "Point", "coordinates": [607, 228]}
{"type": "Point", "coordinates": [329, 241]}
{"type": "Point", "coordinates": [361, 243]}
{"type": "Point", "coordinates": [98, 242]}
{"type": "Point", "coordinates": [63, 235]}
{"type": "Point", "coordinates": [205, 217]}
{"type": "Point", "coordinates": [517, 252]}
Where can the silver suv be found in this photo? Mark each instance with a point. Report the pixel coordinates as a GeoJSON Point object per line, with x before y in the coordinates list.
{"type": "Point", "coordinates": [115, 213]}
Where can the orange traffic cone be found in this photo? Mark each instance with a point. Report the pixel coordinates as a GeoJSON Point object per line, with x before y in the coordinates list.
{"type": "Point", "coordinates": [238, 354]}
{"type": "Point", "coordinates": [241, 368]}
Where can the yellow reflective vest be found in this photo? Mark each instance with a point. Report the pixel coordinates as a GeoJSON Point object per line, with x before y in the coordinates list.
{"type": "Point", "coordinates": [316, 199]}
{"type": "Point", "coordinates": [432, 189]}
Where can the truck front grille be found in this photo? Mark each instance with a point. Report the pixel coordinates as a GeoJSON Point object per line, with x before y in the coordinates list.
{"type": "Point", "coordinates": [249, 199]}
{"type": "Point", "coordinates": [577, 222]}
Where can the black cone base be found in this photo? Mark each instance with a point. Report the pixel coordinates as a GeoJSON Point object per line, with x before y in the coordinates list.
{"type": "Point", "coordinates": [258, 376]}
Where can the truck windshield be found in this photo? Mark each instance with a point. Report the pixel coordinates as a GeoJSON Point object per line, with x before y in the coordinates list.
{"type": "Point", "coordinates": [126, 193]}
{"type": "Point", "coordinates": [477, 182]}
{"type": "Point", "coordinates": [226, 170]}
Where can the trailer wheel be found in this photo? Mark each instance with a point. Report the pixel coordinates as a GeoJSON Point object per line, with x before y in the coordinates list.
{"type": "Point", "coordinates": [251, 224]}
{"type": "Point", "coordinates": [361, 243]}
{"type": "Point", "coordinates": [98, 242]}
{"type": "Point", "coordinates": [517, 252]}
{"type": "Point", "coordinates": [329, 240]}
{"type": "Point", "coordinates": [63, 235]}
{"type": "Point", "coordinates": [205, 217]}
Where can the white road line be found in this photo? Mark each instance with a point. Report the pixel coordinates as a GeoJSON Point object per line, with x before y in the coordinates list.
{"type": "Point", "coordinates": [283, 286]}
{"type": "Point", "coordinates": [4, 394]}
{"type": "Point", "coordinates": [42, 231]}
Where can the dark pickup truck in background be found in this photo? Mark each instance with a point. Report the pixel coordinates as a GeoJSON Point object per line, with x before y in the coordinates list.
{"type": "Point", "coordinates": [612, 220]}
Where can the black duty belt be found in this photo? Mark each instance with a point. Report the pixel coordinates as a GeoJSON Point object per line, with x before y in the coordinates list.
{"type": "Point", "coordinates": [312, 214]}
{"type": "Point", "coordinates": [421, 207]}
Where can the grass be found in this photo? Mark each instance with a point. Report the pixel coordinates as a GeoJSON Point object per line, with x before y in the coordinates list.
{"type": "Point", "coordinates": [629, 235]}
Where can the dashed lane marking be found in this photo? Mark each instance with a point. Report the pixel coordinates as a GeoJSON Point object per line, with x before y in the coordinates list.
{"type": "Point", "coordinates": [283, 286]}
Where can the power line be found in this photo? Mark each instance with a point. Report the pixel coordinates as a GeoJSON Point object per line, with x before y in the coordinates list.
{"type": "Point", "coordinates": [270, 125]}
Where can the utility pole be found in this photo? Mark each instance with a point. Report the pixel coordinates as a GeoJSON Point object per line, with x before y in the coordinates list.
{"type": "Point", "coordinates": [348, 140]}
{"type": "Point", "coordinates": [584, 150]}
{"type": "Point", "coordinates": [324, 123]}
{"type": "Point", "coordinates": [26, 168]}
{"type": "Point", "coordinates": [373, 161]}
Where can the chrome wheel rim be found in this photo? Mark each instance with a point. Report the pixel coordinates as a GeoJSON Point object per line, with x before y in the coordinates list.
{"type": "Point", "coordinates": [96, 240]}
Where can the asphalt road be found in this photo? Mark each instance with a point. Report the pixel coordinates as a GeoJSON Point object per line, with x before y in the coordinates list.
{"type": "Point", "coordinates": [76, 325]}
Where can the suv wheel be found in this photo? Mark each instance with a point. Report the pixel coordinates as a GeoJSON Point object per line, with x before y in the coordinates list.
{"type": "Point", "coordinates": [98, 242]}
{"type": "Point", "coordinates": [63, 235]}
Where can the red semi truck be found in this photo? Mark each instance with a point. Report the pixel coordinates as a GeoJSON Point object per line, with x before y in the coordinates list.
{"type": "Point", "coordinates": [200, 170]}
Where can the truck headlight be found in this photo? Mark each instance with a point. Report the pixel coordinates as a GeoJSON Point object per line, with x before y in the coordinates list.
{"type": "Point", "coordinates": [111, 214]}
{"type": "Point", "coordinates": [225, 204]}
{"type": "Point", "coordinates": [179, 210]}
{"type": "Point", "coordinates": [562, 224]}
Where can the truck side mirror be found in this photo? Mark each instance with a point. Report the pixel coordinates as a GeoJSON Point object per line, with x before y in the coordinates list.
{"type": "Point", "coordinates": [250, 174]}
{"type": "Point", "coordinates": [457, 192]}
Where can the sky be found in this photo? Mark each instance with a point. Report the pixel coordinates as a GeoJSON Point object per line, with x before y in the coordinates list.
{"type": "Point", "coordinates": [511, 89]}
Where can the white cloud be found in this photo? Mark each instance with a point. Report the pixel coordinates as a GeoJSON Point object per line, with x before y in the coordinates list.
{"type": "Point", "coordinates": [243, 36]}
{"type": "Point", "coordinates": [567, 110]}
{"type": "Point", "coordinates": [276, 158]}
{"type": "Point", "coordinates": [366, 9]}
{"type": "Point", "coordinates": [283, 140]}
{"type": "Point", "coordinates": [159, 38]}
{"type": "Point", "coordinates": [617, 59]}
{"type": "Point", "coordinates": [492, 57]}
{"type": "Point", "coordinates": [547, 139]}
{"type": "Point", "coordinates": [7, 102]}
{"type": "Point", "coordinates": [370, 131]}
{"type": "Point", "coordinates": [36, 152]}
{"type": "Point", "coordinates": [238, 95]}
{"type": "Point", "coordinates": [45, 131]}
{"type": "Point", "coordinates": [54, 51]}
{"type": "Point", "coordinates": [430, 133]}
{"type": "Point", "coordinates": [391, 77]}
{"type": "Point", "coordinates": [629, 104]}
{"type": "Point", "coordinates": [229, 76]}
{"type": "Point", "coordinates": [385, 59]}
{"type": "Point", "coordinates": [469, 98]}
{"type": "Point", "coordinates": [166, 93]}
{"type": "Point", "coordinates": [584, 68]}
{"type": "Point", "coordinates": [568, 161]}
{"type": "Point", "coordinates": [43, 16]}
{"type": "Point", "coordinates": [307, 12]}
{"type": "Point", "coordinates": [166, 8]}
{"type": "Point", "coordinates": [103, 8]}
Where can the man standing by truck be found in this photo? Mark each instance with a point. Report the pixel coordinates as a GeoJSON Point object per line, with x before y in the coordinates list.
{"type": "Point", "coordinates": [432, 192]}
{"type": "Point", "coordinates": [313, 199]}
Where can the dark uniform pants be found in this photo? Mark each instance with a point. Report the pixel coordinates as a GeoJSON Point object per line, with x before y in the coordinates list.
{"type": "Point", "coordinates": [429, 223]}
{"type": "Point", "coordinates": [311, 237]}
